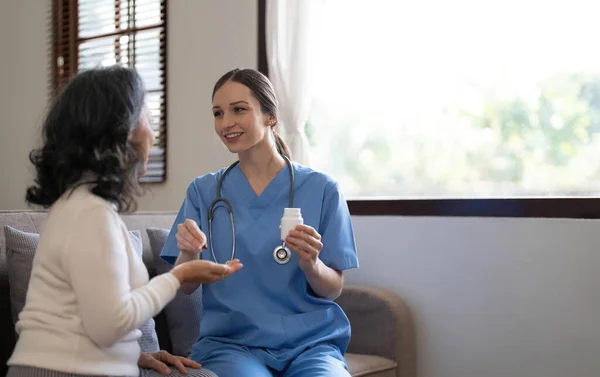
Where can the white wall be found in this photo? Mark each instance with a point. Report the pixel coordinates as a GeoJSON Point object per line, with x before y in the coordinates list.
{"type": "Point", "coordinates": [23, 92]}
{"type": "Point", "coordinates": [205, 40]}
{"type": "Point", "coordinates": [491, 297]}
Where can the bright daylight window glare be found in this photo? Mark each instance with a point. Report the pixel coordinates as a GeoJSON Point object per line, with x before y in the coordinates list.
{"type": "Point", "coordinates": [457, 99]}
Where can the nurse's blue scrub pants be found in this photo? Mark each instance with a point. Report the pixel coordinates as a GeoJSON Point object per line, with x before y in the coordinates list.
{"type": "Point", "coordinates": [236, 361]}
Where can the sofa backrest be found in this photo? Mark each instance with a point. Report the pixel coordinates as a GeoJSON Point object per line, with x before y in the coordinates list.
{"type": "Point", "coordinates": [33, 221]}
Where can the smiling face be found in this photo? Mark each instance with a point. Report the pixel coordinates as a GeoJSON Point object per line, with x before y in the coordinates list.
{"type": "Point", "coordinates": [239, 120]}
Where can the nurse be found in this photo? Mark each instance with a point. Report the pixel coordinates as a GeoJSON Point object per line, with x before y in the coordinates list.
{"type": "Point", "coordinates": [268, 319]}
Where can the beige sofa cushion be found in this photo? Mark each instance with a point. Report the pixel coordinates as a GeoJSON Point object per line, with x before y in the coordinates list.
{"type": "Point", "coordinates": [370, 366]}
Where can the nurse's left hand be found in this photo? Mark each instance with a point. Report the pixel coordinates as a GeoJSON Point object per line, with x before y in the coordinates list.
{"type": "Point", "coordinates": [305, 241]}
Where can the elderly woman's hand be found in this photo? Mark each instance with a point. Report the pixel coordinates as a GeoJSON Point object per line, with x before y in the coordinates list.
{"type": "Point", "coordinates": [160, 361]}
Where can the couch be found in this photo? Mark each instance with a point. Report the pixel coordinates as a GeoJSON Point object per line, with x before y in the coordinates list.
{"type": "Point", "coordinates": [382, 344]}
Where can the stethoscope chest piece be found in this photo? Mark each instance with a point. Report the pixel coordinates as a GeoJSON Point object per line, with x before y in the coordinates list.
{"type": "Point", "coordinates": [282, 254]}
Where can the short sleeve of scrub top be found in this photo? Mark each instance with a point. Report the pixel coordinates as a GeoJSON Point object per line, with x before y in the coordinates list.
{"type": "Point", "coordinates": [337, 235]}
{"type": "Point", "coordinates": [190, 209]}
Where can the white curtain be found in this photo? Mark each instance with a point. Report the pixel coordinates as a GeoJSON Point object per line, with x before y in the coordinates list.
{"type": "Point", "coordinates": [290, 38]}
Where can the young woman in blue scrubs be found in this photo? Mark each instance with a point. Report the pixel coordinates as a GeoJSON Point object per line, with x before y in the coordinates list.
{"type": "Point", "coordinates": [268, 319]}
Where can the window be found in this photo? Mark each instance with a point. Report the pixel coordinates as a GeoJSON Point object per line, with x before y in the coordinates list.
{"type": "Point", "coordinates": [458, 108]}
{"type": "Point", "coordinates": [470, 100]}
{"type": "Point", "coordinates": [132, 33]}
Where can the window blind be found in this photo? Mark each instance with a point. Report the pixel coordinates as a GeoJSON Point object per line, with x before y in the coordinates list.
{"type": "Point", "coordinates": [132, 33]}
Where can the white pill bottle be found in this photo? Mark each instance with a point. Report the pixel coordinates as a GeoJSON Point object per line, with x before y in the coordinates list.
{"type": "Point", "coordinates": [291, 218]}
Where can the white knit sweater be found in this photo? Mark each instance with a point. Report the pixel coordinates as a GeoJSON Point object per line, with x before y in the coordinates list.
{"type": "Point", "coordinates": [88, 293]}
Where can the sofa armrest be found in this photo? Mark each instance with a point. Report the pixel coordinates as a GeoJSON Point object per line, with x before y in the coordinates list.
{"type": "Point", "coordinates": [381, 325]}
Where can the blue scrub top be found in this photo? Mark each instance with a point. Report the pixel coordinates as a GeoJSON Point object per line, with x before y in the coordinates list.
{"type": "Point", "coordinates": [267, 305]}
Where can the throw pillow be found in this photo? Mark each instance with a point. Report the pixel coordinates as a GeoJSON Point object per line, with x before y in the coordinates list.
{"type": "Point", "coordinates": [20, 251]}
{"type": "Point", "coordinates": [149, 340]}
{"type": "Point", "coordinates": [184, 312]}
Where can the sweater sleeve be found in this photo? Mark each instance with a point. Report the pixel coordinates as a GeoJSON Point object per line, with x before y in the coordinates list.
{"type": "Point", "coordinates": [98, 267]}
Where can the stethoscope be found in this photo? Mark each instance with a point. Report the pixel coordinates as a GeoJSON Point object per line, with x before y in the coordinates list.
{"type": "Point", "coordinates": [281, 254]}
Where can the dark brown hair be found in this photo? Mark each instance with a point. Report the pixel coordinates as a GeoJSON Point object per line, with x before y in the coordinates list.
{"type": "Point", "coordinates": [263, 91]}
{"type": "Point", "coordinates": [86, 131]}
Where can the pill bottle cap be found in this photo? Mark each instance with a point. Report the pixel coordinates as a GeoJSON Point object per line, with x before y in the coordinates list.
{"type": "Point", "coordinates": [293, 212]}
